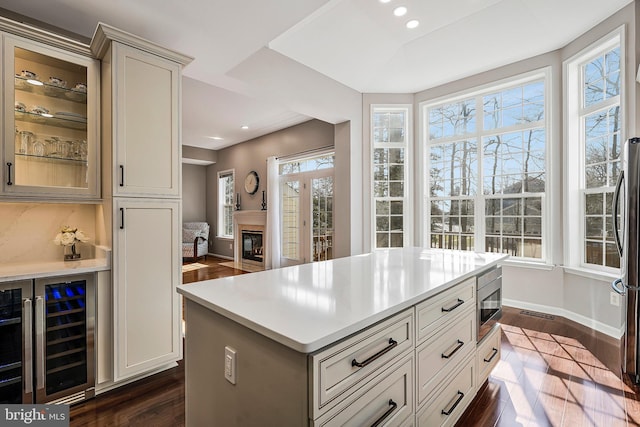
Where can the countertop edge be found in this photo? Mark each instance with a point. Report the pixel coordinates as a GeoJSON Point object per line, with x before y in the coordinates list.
{"type": "Point", "coordinates": [338, 335]}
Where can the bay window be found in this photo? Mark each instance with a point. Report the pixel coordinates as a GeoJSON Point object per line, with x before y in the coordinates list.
{"type": "Point", "coordinates": [593, 145]}
{"type": "Point", "coordinates": [486, 169]}
{"type": "Point", "coordinates": [390, 144]}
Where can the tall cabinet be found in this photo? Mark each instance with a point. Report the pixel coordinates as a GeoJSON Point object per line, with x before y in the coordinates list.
{"type": "Point", "coordinates": [141, 110]}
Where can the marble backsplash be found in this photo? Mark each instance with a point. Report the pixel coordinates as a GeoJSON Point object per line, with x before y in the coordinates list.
{"type": "Point", "coordinates": [27, 230]}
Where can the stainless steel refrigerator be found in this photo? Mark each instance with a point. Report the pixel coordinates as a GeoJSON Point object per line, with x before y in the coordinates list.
{"type": "Point", "coordinates": [626, 221]}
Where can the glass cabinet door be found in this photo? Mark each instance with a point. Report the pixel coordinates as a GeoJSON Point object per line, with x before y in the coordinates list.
{"type": "Point", "coordinates": [51, 121]}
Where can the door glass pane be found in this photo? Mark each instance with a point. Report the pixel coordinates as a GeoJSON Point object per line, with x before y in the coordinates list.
{"type": "Point", "coordinates": [322, 230]}
{"type": "Point", "coordinates": [50, 121]}
{"type": "Point", "coordinates": [290, 239]}
{"type": "Point", "coordinates": [11, 348]}
{"type": "Point", "coordinates": [66, 342]}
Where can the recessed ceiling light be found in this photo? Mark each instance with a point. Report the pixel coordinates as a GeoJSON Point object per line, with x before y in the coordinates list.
{"type": "Point", "coordinates": [385, 1]}
{"type": "Point", "coordinates": [400, 11]}
{"type": "Point", "coordinates": [244, 127]}
{"type": "Point", "coordinates": [413, 23]}
{"type": "Point", "coordinates": [217, 138]}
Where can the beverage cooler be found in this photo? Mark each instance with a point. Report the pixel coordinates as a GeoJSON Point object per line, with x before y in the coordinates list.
{"type": "Point", "coordinates": [46, 330]}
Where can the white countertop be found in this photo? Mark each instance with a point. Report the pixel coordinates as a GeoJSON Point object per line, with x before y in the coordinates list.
{"type": "Point", "coordinates": [309, 306]}
{"type": "Point", "coordinates": [13, 272]}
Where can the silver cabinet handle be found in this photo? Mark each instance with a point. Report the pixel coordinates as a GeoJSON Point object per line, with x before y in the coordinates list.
{"type": "Point", "coordinates": [27, 313]}
{"type": "Point", "coordinates": [40, 348]}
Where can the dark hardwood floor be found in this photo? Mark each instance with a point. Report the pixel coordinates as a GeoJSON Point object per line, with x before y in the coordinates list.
{"type": "Point", "coordinates": [553, 372]}
{"type": "Point", "coordinates": [205, 269]}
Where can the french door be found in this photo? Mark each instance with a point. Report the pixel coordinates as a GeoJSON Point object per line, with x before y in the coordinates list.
{"type": "Point", "coordinates": [306, 205]}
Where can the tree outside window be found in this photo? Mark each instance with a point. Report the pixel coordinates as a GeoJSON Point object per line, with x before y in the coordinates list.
{"type": "Point", "coordinates": [487, 176]}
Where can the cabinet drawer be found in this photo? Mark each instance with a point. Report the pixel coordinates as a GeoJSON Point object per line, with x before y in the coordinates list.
{"type": "Point", "coordinates": [434, 312]}
{"type": "Point", "coordinates": [451, 399]}
{"type": "Point", "coordinates": [438, 356]}
{"type": "Point", "coordinates": [488, 354]}
{"type": "Point", "coordinates": [387, 398]}
{"type": "Point", "coordinates": [335, 369]}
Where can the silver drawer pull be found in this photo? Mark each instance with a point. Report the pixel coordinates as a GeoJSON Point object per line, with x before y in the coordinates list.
{"type": "Point", "coordinates": [458, 347]}
{"type": "Point", "coordinates": [453, 307]}
{"type": "Point", "coordinates": [392, 343]}
{"type": "Point", "coordinates": [392, 407]}
{"type": "Point", "coordinates": [495, 351]}
{"type": "Point", "coordinates": [460, 397]}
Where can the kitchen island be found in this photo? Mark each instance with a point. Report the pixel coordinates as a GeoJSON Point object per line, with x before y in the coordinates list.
{"type": "Point", "coordinates": [321, 343]}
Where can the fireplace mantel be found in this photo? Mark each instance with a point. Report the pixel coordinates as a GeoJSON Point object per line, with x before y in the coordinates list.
{"type": "Point", "coordinates": [249, 220]}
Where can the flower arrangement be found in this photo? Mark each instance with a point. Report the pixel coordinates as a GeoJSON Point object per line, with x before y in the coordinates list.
{"type": "Point", "coordinates": [69, 236]}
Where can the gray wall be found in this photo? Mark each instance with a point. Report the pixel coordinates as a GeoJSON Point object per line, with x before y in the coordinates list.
{"type": "Point", "coordinates": [252, 155]}
{"type": "Point", "coordinates": [194, 193]}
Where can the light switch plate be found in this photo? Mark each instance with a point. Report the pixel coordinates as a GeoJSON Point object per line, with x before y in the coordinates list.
{"type": "Point", "coordinates": [614, 299]}
{"type": "Point", "coordinates": [230, 364]}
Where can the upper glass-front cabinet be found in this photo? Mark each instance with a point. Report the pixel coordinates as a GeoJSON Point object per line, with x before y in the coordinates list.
{"type": "Point", "coordinates": [51, 122]}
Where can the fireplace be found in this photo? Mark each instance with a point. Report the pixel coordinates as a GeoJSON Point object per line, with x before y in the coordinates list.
{"type": "Point", "coordinates": [252, 246]}
{"type": "Point", "coordinates": [250, 240]}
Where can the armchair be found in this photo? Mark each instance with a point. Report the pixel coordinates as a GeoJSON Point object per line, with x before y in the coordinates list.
{"type": "Point", "coordinates": [195, 237]}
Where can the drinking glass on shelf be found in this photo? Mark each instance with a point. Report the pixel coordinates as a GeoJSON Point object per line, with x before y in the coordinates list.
{"type": "Point", "coordinates": [26, 138]}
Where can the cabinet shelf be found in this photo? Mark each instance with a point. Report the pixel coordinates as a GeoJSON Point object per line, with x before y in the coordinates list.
{"type": "Point", "coordinates": [60, 122]}
{"type": "Point", "coordinates": [51, 91]}
{"type": "Point", "coordinates": [55, 159]}
{"type": "Point", "coordinates": [10, 366]}
{"type": "Point", "coordinates": [12, 321]}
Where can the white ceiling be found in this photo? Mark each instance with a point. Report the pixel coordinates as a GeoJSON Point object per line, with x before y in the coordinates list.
{"type": "Point", "coordinates": [359, 44]}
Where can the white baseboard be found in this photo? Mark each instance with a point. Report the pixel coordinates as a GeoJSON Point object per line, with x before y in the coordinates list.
{"type": "Point", "coordinates": [578, 318]}
{"type": "Point", "coordinates": [221, 256]}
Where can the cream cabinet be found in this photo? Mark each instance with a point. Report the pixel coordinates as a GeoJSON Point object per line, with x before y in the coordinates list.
{"type": "Point", "coordinates": [140, 96]}
{"type": "Point", "coordinates": [489, 353]}
{"type": "Point", "coordinates": [51, 121]}
{"type": "Point", "coordinates": [420, 366]}
{"type": "Point", "coordinates": [141, 115]}
{"type": "Point", "coordinates": [146, 269]}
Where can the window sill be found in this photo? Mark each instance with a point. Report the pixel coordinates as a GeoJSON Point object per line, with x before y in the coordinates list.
{"type": "Point", "coordinates": [591, 274]}
{"type": "Point", "coordinates": [230, 238]}
{"type": "Point", "coordinates": [527, 264]}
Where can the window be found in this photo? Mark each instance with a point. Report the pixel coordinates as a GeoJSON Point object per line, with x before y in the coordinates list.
{"type": "Point", "coordinates": [225, 204]}
{"type": "Point", "coordinates": [486, 162]}
{"type": "Point", "coordinates": [594, 140]}
{"type": "Point", "coordinates": [390, 139]}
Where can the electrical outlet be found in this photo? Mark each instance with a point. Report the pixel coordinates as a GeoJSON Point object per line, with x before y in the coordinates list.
{"type": "Point", "coordinates": [230, 364]}
{"type": "Point", "coordinates": [230, 245]}
{"type": "Point", "coordinates": [614, 299]}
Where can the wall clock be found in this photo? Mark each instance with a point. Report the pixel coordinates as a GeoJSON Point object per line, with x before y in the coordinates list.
{"type": "Point", "coordinates": [251, 182]}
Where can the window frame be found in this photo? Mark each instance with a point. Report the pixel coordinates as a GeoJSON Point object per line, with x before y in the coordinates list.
{"type": "Point", "coordinates": [574, 145]}
{"type": "Point", "coordinates": [221, 203]}
{"type": "Point", "coordinates": [424, 148]}
{"type": "Point", "coordinates": [408, 206]}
